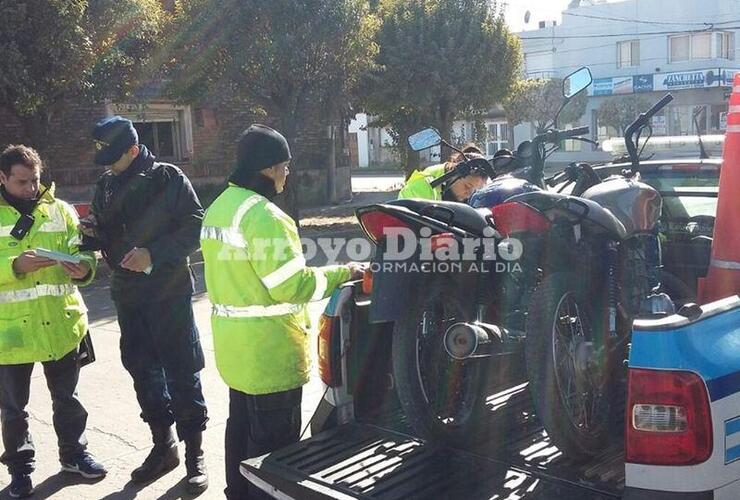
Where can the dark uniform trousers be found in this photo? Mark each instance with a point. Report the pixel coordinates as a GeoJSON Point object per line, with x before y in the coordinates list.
{"type": "Point", "coordinates": [161, 350]}
{"type": "Point", "coordinates": [258, 425]}
{"type": "Point", "coordinates": [69, 416]}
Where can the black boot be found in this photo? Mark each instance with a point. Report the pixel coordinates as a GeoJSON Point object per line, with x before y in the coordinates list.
{"type": "Point", "coordinates": [197, 480]}
{"type": "Point", "coordinates": [162, 459]}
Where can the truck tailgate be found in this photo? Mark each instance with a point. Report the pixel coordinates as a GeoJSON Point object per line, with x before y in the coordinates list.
{"type": "Point", "coordinates": [361, 460]}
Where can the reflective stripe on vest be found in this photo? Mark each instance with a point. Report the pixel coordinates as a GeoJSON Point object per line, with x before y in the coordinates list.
{"type": "Point", "coordinates": [225, 235]}
{"type": "Point", "coordinates": [284, 272]}
{"type": "Point", "coordinates": [36, 292]}
{"type": "Point", "coordinates": [231, 235]}
{"type": "Point", "coordinates": [321, 284]}
{"type": "Point", "coordinates": [224, 311]}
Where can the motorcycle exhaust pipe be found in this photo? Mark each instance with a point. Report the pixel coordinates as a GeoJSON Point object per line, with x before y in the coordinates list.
{"type": "Point", "coordinates": [473, 340]}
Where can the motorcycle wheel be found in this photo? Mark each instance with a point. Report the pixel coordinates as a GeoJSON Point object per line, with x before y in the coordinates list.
{"type": "Point", "coordinates": [442, 397]}
{"type": "Point", "coordinates": [568, 381]}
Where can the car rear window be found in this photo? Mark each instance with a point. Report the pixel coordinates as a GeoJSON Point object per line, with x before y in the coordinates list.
{"type": "Point", "coordinates": [685, 193]}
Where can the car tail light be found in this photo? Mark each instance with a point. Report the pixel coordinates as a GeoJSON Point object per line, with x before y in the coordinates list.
{"type": "Point", "coordinates": [376, 224]}
{"type": "Point", "coordinates": [513, 217]}
{"type": "Point", "coordinates": [668, 418]}
{"type": "Point", "coordinates": [442, 240]}
{"type": "Point", "coordinates": [367, 282]}
{"type": "Point", "coordinates": [328, 346]}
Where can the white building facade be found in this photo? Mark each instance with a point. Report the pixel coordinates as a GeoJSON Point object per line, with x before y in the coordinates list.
{"type": "Point", "coordinates": [646, 47]}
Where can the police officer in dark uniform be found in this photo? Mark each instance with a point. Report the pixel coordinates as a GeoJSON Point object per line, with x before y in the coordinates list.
{"type": "Point", "coordinates": [146, 218]}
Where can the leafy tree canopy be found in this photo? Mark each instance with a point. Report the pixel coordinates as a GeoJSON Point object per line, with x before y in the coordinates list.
{"type": "Point", "coordinates": [537, 101]}
{"type": "Point", "coordinates": [54, 49]}
{"type": "Point", "coordinates": [438, 60]}
{"type": "Point", "coordinates": [619, 111]}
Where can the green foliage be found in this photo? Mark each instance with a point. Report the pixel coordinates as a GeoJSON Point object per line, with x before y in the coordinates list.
{"type": "Point", "coordinates": [281, 55]}
{"type": "Point", "coordinates": [52, 49]}
{"type": "Point", "coordinates": [620, 111]}
{"type": "Point", "coordinates": [285, 59]}
{"type": "Point", "coordinates": [438, 60]}
{"type": "Point", "coordinates": [537, 100]}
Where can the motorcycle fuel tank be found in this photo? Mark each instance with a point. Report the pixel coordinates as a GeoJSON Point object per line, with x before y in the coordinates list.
{"type": "Point", "coordinates": [499, 191]}
{"type": "Point", "coordinates": [635, 204]}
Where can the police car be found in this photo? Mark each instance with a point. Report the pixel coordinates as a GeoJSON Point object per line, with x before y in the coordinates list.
{"type": "Point", "coordinates": [683, 405]}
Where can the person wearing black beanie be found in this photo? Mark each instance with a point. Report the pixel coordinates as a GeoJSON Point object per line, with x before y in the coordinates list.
{"type": "Point", "coordinates": [262, 157]}
{"type": "Point", "coordinates": [259, 283]}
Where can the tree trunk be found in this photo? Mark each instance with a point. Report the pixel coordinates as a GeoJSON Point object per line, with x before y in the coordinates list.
{"type": "Point", "coordinates": [412, 162]}
{"type": "Point", "coordinates": [445, 125]}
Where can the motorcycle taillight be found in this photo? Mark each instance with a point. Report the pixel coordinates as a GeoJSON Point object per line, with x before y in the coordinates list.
{"type": "Point", "coordinates": [513, 217]}
{"type": "Point", "coordinates": [377, 224]}
{"type": "Point", "coordinates": [668, 418]}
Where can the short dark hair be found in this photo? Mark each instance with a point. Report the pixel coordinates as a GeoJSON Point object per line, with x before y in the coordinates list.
{"type": "Point", "coordinates": [18, 154]}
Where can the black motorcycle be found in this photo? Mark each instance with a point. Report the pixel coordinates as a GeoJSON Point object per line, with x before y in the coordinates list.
{"type": "Point", "coordinates": [452, 310]}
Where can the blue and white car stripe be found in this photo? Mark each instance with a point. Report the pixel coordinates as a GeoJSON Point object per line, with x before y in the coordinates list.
{"type": "Point", "coordinates": [732, 440]}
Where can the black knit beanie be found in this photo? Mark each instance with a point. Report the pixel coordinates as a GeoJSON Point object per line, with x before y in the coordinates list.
{"type": "Point", "coordinates": [259, 147]}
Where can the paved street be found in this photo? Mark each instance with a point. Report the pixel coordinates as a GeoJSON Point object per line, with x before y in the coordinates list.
{"type": "Point", "coordinates": [116, 434]}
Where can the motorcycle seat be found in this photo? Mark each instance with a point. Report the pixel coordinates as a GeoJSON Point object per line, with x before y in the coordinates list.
{"type": "Point", "coordinates": [459, 215]}
{"type": "Point", "coordinates": [547, 202]}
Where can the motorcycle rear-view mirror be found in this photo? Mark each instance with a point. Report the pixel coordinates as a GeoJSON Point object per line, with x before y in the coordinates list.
{"type": "Point", "coordinates": [576, 82]}
{"type": "Point", "coordinates": [425, 139]}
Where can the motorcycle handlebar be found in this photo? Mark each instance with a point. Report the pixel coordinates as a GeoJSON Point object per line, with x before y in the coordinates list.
{"type": "Point", "coordinates": [574, 132]}
{"type": "Point", "coordinates": [555, 136]}
{"type": "Point", "coordinates": [642, 121]}
{"type": "Point", "coordinates": [658, 106]}
{"type": "Point", "coordinates": [463, 169]}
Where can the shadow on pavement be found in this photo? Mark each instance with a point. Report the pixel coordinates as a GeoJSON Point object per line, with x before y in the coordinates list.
{"type": "Point", "coordinates": [53, 485]}
{"type": "Point", "coordinates": [130, 491]}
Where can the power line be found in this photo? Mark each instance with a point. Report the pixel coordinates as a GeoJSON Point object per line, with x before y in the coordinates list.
{"type": "Point", "coordinates": [655, 23]}
{"type": "Point", "coordinates": [581, 49]}
{"type": "Point", "coordinates": [613, 63]}
{"type": "Point", "coordinates": [612, 35]}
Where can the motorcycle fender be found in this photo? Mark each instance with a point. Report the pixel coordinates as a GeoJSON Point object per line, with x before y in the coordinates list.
{"type": "Point", "coordinates": [391, 294]}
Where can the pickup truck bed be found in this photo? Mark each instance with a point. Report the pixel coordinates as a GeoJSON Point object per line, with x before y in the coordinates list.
{"type": "Point", "coordinates": [371, 460]}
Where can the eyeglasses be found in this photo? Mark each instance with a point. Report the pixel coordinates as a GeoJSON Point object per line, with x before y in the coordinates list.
{"type": "Point", "coordinates": [100, 144]}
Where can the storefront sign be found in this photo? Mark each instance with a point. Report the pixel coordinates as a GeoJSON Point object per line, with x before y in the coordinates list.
{"type": "Point", "coordinates": [706, 78]}
{"type": "Point", "coordinates": [622, 85]}
{"type": "Point", "coordinates": [602, 86]}
{"type": "Point", "coordinates": [642, 83]}
{"type": "Point", "coordinates": [659, 125]}
{"type": "Point", "coordinates": [685, 80]}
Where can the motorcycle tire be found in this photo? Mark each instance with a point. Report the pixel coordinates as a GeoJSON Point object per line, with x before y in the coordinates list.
{"type": "Point", "coordinates": [427, 380]}
{"type": "Point", "coordinates": [549, 383]}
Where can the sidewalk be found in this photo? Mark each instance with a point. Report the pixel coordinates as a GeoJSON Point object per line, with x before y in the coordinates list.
{"type": "Point", "coordinates": [341, 217]}
{"type": "Point", "coordinates": [116, 434]}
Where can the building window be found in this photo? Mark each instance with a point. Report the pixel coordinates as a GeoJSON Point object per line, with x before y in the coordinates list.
{"type": "Point", "coordinates": [165, 129]}
{"type": "Point", "coordinates": [628, 53]}
{"type": "Point", "coordinates": [698, 46]}
{"type": "Point", "coordinates": [160, 138]}
{"type": "Point", "coordinates": [726, 46]}
{"type": "Point", "coordinates": [681, 119]}
{"type": "Point", "coordinates": [701, 46]}
{"type": "Point", "coordinates": [497, 137]}
{"type": "Point", "coordinates": [679, 48]}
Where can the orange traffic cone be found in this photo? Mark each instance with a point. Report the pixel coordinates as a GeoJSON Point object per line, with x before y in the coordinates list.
{"type": "Point", "coordinates": [723, 278]}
